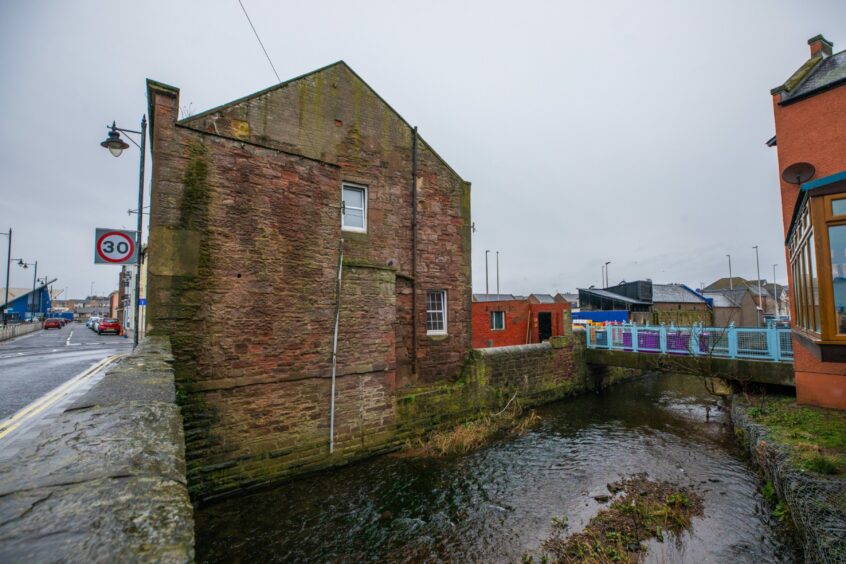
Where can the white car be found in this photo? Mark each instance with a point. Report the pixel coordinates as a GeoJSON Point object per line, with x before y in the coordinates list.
{"type": "Point", "coordinates": [93, 322]}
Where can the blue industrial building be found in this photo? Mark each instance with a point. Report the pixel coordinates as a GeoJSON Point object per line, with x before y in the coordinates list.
{"type": "Point", "coordinates": [34, 303]}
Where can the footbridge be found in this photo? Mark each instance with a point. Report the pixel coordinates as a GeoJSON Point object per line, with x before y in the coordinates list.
{"type": "Point", "coordinates": [757, 355]}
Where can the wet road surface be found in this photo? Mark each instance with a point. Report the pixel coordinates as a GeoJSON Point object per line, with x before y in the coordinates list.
{"type": "Point", "coordinates": [34, 364]}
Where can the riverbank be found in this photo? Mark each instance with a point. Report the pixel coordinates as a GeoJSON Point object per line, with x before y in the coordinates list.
{"type": "Point", "coordinates": [501, 501]}
{"type": "Point", "coordinates": [801, 450]}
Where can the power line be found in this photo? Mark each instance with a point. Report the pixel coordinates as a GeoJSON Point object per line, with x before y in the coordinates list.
{"type": "Point", "coordinates": [259, 40]}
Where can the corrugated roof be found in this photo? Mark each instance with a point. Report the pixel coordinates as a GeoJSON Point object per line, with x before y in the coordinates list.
{"type": "Point", "coordinates": [828, 72]}
{"type": "Point", "coordinates": [15, 293]}
{"type": "Point", "coordinates": [674, 293]}
{"type": "Point", "coordinates": [612, 296]}
{"type": "Point", "coordinates": [493, 297]}
{"type": "Point", "coordinates": [544, 298]}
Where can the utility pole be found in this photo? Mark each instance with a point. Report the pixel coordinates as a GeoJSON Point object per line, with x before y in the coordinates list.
{"type": "Point", "coordinates": [497, 275]}
{"type": "Point", "coordinates": [607, 278]}
{"type": "Point", "coordinates": [775, 293]}
{"type": "Point", "coordinates": [602, 280]}
{"type": "Point", "coordinates": [486, 271]}
{"type": "Point", "coordinates": [760, 297]}
{"type": "Point", "coordinates": [8, 266]}
{"type": "Point", "coordinates": [731, 281]}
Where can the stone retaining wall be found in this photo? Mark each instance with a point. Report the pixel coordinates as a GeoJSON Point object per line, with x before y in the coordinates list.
{"type": "Point", "coordinates": [105, 481]}
{"type": "Point", "coordinates": [17, 329]}
{"type": "Point", "coordinates": [817, 504]}
{"type": "Point", "coordinates": [373, 419]}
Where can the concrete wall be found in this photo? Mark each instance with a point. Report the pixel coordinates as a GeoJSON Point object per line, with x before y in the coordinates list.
{"type": "Point", "coordinates": [105, 481]}
{"type": "Point", "coordinates": [17, 329]}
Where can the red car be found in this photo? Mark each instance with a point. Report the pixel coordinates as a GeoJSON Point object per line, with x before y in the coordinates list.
{"type": "Point", "coordinates": [52, 323]}
{"type": "Point", "coordinates": [108, 326]}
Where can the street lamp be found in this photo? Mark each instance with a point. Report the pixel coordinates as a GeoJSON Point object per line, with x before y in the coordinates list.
{"type": "Point", "coordinates": [116, 146]}
{"type": "Point", "coordinates": [26, 265]}
{"type": "Point", "coordinates": [8, 266]}
{"type": "Point", "coordinates": [731, 281]}
{"type": "Point", "coordinates": [487, 251]}
{"type": "Point", "coordinates": [775, 292]}
{"type": "Point", "coordinates": [760, 297]}
{"type": "Point", "coordinates": [607, 281]}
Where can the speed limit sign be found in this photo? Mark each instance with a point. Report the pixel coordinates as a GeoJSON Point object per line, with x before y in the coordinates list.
{"type": "Point", "coordinates": [114, 246]}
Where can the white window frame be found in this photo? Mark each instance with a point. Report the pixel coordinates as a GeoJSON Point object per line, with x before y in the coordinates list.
{"type": "Point", "coordinates": [363, 189]}
{"type": "Point", "coordinates": [493, 313]}
{"type": "Point", "coordinates": [444, 311]}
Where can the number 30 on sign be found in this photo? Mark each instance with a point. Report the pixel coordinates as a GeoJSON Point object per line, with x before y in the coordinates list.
{"type": "Point", "coordinates": [114, 246]}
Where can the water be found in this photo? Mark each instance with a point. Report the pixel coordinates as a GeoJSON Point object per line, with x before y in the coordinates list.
{"type": "Point", "coordinates": [498, 503]}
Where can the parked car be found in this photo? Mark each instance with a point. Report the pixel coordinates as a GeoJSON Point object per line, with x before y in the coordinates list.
{"type": "Point", "coordinates": [92, 322]}
{"type": "Point", "coordinates": [52, 323]}
{"type": "Point", "coordinates": [108, 326]}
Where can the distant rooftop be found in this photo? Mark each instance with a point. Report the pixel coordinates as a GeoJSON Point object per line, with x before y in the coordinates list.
{"type": "Point", "coordinates": [674, 293]}
{"type": "Point", "coordinates": [494, 297]}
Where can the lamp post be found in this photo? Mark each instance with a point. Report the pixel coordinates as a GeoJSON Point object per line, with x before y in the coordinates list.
{"type": "Point", "coordinates": [775, 292]}
{"type": "Point", "coordinates": [116, 146]}
{"type": "Point", "coordinates": [497, 275]}
{"type": "Point", "coordinates": [8, 266]}
{"type": "Point", "coordinates": [486, 271]}
{"type": "Point", "coordinates": [760, 297]}
{"type": "Point", "coordinates": [23, 264]}
{"type": "Point", "coordinates": [607, 281]}
{"type": "Point", "coordinates": [731, 281]}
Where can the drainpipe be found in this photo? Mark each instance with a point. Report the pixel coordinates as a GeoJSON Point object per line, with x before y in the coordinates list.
{"type": "Point", "coordinates": [335, 348]}
{"type": "Point", "coordinates": [414, 252]}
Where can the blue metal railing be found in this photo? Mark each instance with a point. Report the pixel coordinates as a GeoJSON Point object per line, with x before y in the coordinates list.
{"type": "Point", "coordinates": [766, 343]}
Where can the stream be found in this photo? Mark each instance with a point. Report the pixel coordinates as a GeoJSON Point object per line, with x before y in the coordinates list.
{"type": "Point", "coordinates": [498, 503]}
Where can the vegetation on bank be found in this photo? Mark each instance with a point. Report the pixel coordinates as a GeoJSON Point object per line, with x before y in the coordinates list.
{"type": "Point", "coordinates": [816, 436]}
{"type": "Point", "coordinates": [642, 509]}
{"type": "Point", "coordinates": [473, 434]}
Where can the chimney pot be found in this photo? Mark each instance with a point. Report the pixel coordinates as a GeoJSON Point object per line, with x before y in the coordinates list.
{"type": "Point", "coordinates": [820, 44]}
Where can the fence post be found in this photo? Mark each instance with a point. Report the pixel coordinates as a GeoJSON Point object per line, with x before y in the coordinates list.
{"type": "Point", "coordinates": [694, 340]}
{"type": "Point", "coordinates": [662, 338]}
{"type": "Point", "coordinates": [634, 337]}
{"type": "Point", "coordinates": [773, 344]}
{"type": "Point", "coordinates": [732, 341]}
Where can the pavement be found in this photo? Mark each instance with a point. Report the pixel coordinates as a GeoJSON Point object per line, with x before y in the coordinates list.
{"type": "Point", "coordinates": [33, 365]}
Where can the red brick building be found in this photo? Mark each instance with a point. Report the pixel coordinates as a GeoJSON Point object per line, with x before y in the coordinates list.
{"type": "Point", "coordinates": [810, 124]}
{"type": "Point", "coordinates": [501, 320]}
{"type": "Point", "coordinates": [254, 205]}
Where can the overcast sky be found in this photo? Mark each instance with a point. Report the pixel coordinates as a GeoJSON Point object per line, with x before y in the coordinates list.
{"type": "Point", "coordinates": [630, 132]}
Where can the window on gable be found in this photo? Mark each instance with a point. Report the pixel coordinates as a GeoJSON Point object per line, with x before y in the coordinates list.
{"type": "Point", "coordinates": [354, 208]}
{"type": "Point", "coordinates": [436, 312]}
{"type": "Point", "coordinates": [497, 320]}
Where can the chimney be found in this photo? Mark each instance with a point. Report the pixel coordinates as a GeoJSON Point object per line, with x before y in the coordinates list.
{"type": "Point", "coordinates": [820, 44]}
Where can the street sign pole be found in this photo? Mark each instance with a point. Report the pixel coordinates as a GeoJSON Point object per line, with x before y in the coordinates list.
{"type": "Point", "coordinates": [135, 302]}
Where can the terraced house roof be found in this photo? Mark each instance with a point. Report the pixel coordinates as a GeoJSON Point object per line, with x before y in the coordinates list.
{"type": "Point", "coordinates": [817, 74]}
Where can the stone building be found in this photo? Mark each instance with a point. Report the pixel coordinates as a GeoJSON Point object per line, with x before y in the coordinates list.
{"type": "Point", "coordinates": [810, 125]}
{"type": "Point", "coordinates": [254, 205]}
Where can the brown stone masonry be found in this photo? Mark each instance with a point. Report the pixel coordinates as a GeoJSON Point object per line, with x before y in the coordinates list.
{"type": "Point", "coordinates": [245, 234]}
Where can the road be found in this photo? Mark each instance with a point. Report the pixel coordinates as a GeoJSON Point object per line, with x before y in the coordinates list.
{"type": "Point", "coordinates": [34, 364]}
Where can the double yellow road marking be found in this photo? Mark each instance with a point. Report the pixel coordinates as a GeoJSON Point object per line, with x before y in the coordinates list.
{"type": "Point", "coordinates": [51, 397]}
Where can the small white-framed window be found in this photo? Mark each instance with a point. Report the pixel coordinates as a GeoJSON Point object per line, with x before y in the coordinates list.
{"type": "Point", "coordinates": [436, 312]}
{"type": "Point", "coordinates": [353, 207]}
{"type": "Point", "coordinates": [497, 320]}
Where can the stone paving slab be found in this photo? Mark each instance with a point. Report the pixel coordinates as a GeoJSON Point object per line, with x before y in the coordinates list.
{"type": "Point", "coordinates": [105, 480]}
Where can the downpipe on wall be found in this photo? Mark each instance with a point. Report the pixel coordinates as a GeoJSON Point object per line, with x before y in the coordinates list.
{"type": "Point", "coordinates": [335, 347]}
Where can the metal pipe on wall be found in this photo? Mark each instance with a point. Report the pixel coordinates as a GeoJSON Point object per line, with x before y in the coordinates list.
{"type": "Point", "coordinates": [335, 347]}
{"type": "Point", "coordinates": [414, 251]}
